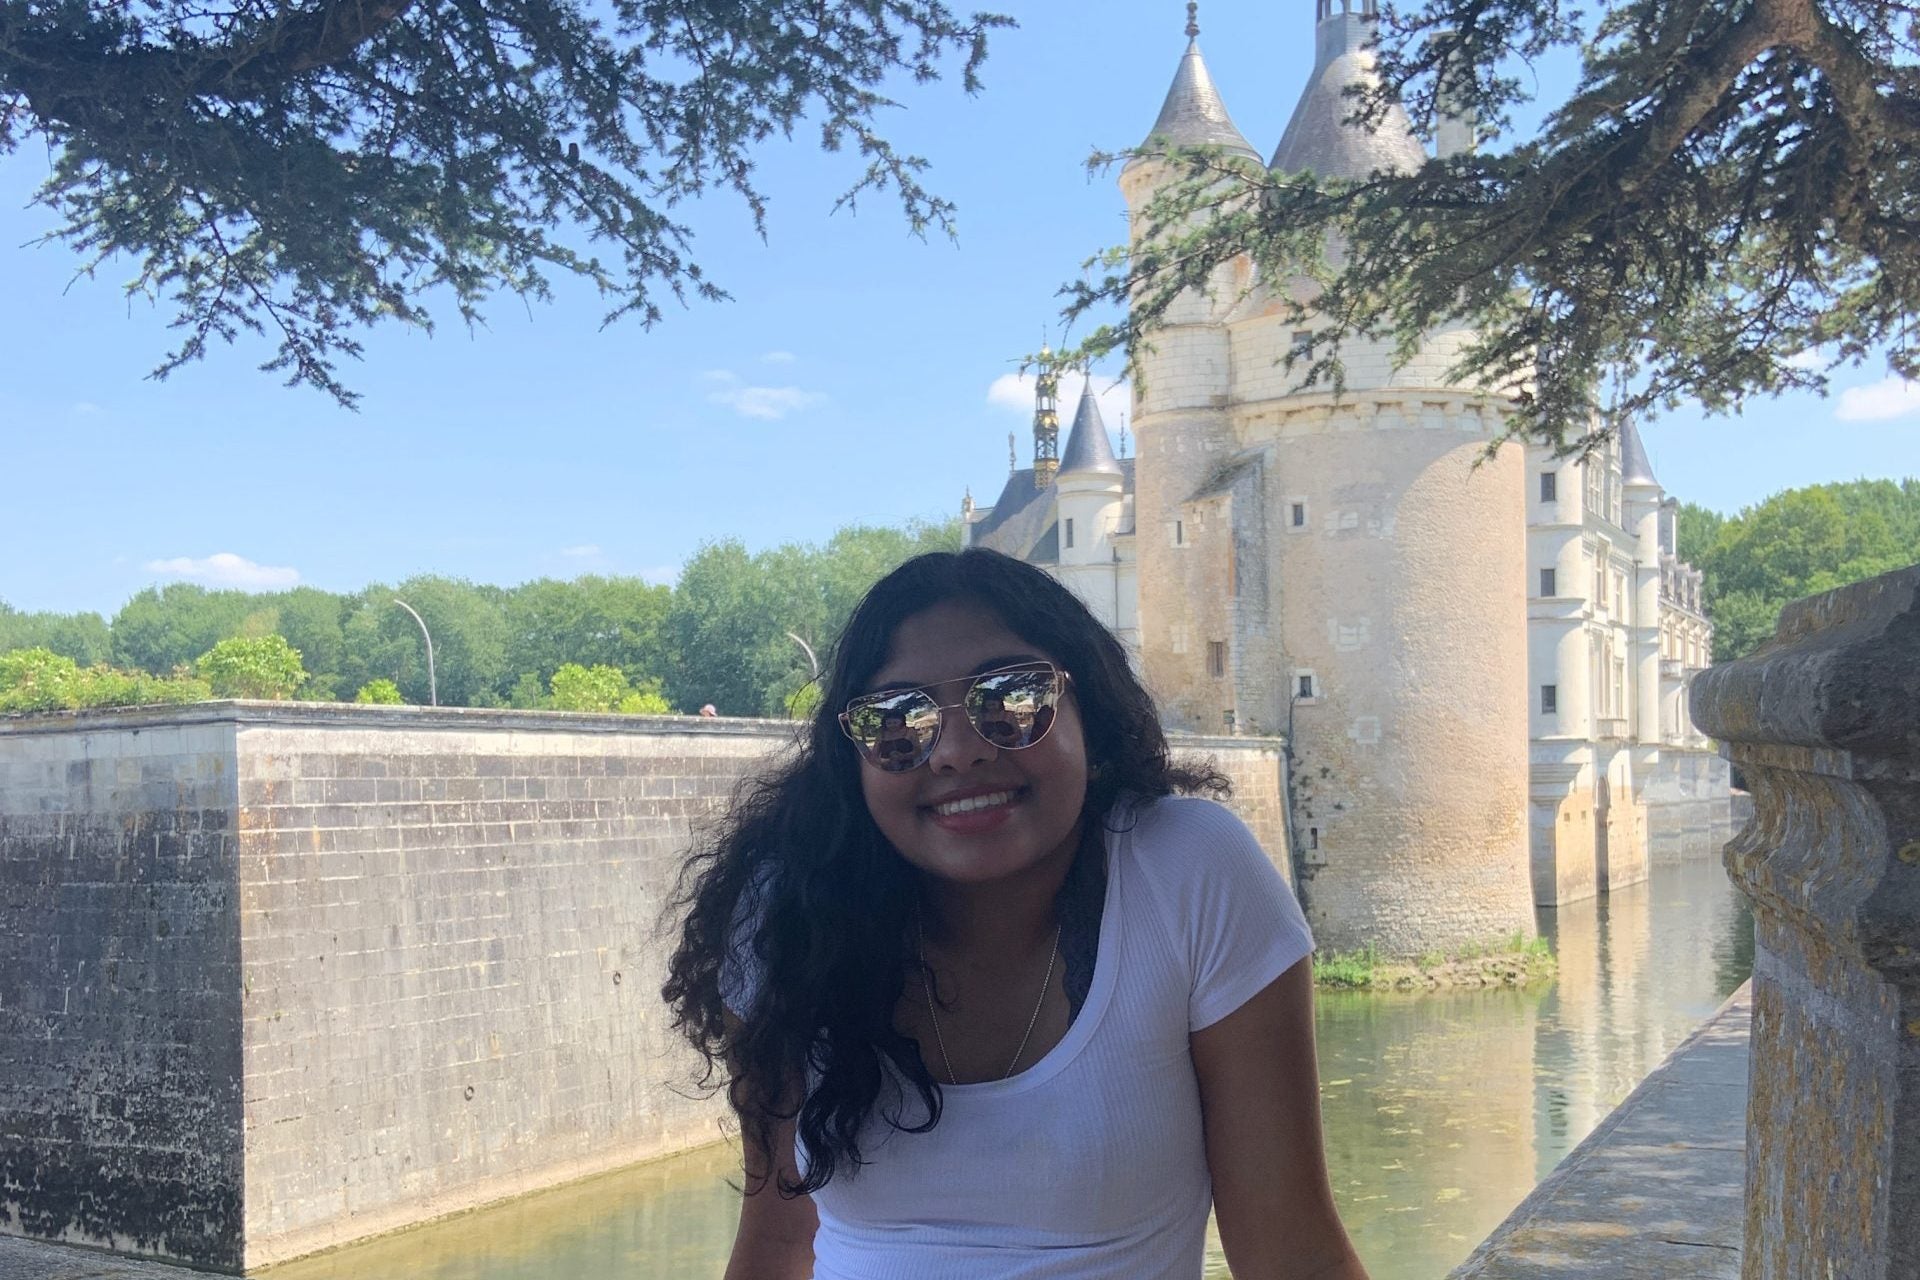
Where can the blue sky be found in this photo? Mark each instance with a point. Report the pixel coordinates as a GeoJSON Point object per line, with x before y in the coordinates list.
{"type": "Point", "coordinates": [858, 375]}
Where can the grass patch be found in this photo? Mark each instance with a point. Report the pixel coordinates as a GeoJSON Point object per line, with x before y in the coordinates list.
{"type": "Point", "coordinates": [1517, 960]}
{"type": "Point", "coordinates": [1352, 969]}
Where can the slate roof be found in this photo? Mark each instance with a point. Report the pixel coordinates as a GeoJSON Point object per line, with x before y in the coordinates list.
{"type": "Point", "coordinates": [1023, 522]}
{"type": "Point", "coordinates": [1088, 448]}
{"type": "Point", "coordinates": [1635, 468]}
{"type": "Point", "coordinates": [1318, 140]}
{"type": "Point", "coordinates": [1193, 114]}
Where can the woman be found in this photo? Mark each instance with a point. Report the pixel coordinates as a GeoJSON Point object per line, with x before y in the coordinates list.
{"type": "Point", "coordinates": [991, 999]}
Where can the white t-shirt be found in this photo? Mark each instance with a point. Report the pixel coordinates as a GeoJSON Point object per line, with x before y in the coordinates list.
{"type": "Point", "coordinates": [1090, 1164]}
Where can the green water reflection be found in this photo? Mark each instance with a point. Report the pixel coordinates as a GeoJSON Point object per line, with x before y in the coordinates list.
{"type": "Point", "coordinates": [1442, 1111]}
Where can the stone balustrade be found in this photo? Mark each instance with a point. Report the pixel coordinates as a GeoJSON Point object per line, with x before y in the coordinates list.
{"type": "Point", "coordinates": [1824, 721]}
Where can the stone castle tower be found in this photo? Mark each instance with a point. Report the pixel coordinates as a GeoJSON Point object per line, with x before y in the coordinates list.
{"type": "Point", "coordinates": [1339, 571]}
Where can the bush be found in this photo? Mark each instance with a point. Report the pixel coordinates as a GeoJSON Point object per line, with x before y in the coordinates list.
{"type": "Point", "coordinates": [604, 689]}
{"type": "Point", "coordinates": [265, 667]}
{"type": "Point", "coordinates": [647, 699]}
{"type": "Point", "coordinates": [382, 692]}
{"type": "Point", "coordinates": [41, 680]}
{"type": "Point", "coordinates": [804, 701]}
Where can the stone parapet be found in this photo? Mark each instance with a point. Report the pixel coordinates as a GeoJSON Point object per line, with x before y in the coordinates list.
{"type": "Point", "coordinates": [1824, 724]}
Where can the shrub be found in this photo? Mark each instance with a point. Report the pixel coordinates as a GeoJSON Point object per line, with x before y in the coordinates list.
{"type": "Point", "coordinates": [381, 692]}
{"type": "Point", "coordinates": [264, 667]}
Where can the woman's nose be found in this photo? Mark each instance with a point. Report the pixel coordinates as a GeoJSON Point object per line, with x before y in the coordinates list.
{"type": "Point", "coordinates": [960, 745]}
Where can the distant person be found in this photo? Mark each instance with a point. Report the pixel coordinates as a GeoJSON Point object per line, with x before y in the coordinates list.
{"type": "Point", "coordinates": [708, 710]}
{"type": "Point", "coordinates": [989, 998]}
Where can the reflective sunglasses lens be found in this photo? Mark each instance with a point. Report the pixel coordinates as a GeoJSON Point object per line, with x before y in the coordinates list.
{"type": "Point", "coordinates": [895, 731]}
{"type": "Point", "coordinates": [1014, 709]}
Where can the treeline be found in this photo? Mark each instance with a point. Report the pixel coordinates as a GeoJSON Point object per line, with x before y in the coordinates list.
{"type": "Point", "coordinates": [1796, 543]}
{"type": "Point", "coordinates": [722, 635]}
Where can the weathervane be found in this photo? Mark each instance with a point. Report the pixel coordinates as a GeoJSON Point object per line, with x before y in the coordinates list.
{"type": "Point", "coordinates": [1193, 19]}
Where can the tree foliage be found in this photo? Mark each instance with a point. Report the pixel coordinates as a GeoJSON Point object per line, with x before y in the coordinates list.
{"type": "Point", "coordinates": [735, 615]}
{"type": "Point", "coordinates": [1731, 185]}
{"type": "Point", "coordinates": [307, 169]}
{"type": "Point", "coordinates": [1796, 543]}
{"type": "Point", "coordinates": [720, 636]}
{"type": "Point", "coordinates": [252, 667]}
{"type": "Point", "coordinates": [83, 637]}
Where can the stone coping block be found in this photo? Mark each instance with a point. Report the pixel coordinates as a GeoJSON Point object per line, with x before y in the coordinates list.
{"type": "Point", "coordinates": [1653, 1193]}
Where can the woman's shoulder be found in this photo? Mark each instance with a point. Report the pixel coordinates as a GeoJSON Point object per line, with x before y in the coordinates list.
{"type": "Point", "coordinates": [1173, 818]}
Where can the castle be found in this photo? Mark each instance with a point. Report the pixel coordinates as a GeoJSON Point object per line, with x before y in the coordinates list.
{"type": "Point", "coordinates": [1479, 664]}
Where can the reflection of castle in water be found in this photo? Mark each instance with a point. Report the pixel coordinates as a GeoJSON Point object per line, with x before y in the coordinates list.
{"type": "Point", "coordinates": [1479, 664]}
{"type": "Point", "coordinates": [1444, 1110]}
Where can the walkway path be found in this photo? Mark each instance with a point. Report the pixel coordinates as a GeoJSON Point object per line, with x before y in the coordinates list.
{"type": "Point", "coordinates": [1657, 1190]}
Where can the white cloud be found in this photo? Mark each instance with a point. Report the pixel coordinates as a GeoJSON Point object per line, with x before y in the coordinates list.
{"type": "Point", "coordinates": [662, 575]}
{"type": "Point", "coordinates": [582, 551]}
{"type": "Point", "coordinates": [769, 404]}
{"type": "Point", "coordinates": [1809, 360]}
{"type": "Point", "coordinates": [1891, 397]}
{"type": "Point", "coordinates": [1014, 392]}
{"type": "Point", "coordinates": [779, 357]}
{"type": "Point", "coordinates": [225, 569]}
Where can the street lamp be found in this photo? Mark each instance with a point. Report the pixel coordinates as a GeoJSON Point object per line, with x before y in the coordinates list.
{"type": "Point", "coordinates": [815, 662]}
{"type": "Point", "coordinates": [433, 689]}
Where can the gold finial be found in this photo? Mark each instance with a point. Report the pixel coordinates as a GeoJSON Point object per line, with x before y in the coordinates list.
{"type": "Point", "coordinates": [1193, 19]}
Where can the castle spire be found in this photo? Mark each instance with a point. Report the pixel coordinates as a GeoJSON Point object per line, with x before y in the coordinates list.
{"type": "Point", "coordinates": [1319, 139]}
{"type": "Point", "coordinates": [1088, 449]}
{"type": "Point", "coordinates": [1193, 114]}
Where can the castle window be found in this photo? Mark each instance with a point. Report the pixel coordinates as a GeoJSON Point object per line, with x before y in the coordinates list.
{"type": "Point", "coordinates": [1069, 532]}
{"type": "Point", "coordinates": [1177, 534]}
{"type": "Point", "coordinates": [1302, 339]}
{"type": "Point", "coordinates": [1217, 658]}
{"type": "Point", "coordinates": [1305, 687]}
{"type": "Point", "coordinates": [1549, 699]}
{"type": "Point", "coordinates": [1298, 514]}
{"type": "Point", "coordinates": [1549, 486]}
{"type": "Point", "coordinates": [1313, 837]}
{"type": "Point", "coordinates": [1548, 583]}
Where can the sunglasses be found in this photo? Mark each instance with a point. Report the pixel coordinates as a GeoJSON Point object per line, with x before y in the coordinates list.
{"type": "Point", "coordinates": [1012, 708]}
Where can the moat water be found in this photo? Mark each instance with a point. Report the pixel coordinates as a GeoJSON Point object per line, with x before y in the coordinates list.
{"type": "Point", "coordinates": [1442, 1111]}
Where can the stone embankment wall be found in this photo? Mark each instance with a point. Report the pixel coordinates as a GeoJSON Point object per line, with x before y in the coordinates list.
{"type": "Point", "coordinates": [1691, 811]}
{"type": "Point", "coordinates": [276, 977]}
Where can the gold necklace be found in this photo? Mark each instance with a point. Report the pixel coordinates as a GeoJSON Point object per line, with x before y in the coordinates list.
{"type": "Point", "coordinates": [1032, 1019]}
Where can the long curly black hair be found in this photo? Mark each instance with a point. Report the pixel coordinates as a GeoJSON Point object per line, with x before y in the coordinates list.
{"type": "Point", "coordinates": [797, 898]}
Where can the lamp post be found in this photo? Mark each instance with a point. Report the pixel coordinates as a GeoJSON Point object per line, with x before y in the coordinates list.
{"type": "Point", "coordinates": [433, 688]}
{"type": "Point", "coordinates": [808, 650]}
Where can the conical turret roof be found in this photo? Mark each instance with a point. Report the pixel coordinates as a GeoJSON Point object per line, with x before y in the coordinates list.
{"type": "Point", "coordinates": [1193, 114]}
{"type": "Point", "coordinates": [1318, 139]}
{"type": "Point", "coordinates": [1088, 450]}
{"type": "Point", "coordinates": [1635, 468]}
